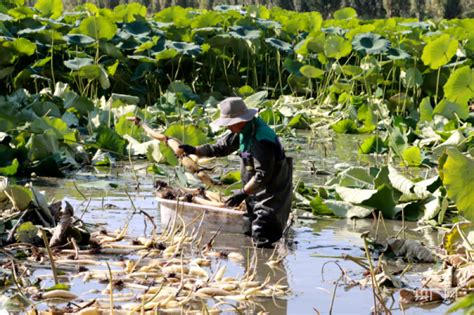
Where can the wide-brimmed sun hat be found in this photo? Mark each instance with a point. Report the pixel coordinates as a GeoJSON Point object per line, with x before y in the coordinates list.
{"type": "Point", "coordinates": [233, 111]}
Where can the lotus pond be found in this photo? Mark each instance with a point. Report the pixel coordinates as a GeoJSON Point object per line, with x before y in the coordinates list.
{"type": "Point", "coordinates": [377, 114]}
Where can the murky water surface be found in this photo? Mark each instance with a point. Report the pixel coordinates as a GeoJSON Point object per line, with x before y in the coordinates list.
{"type": "Point", "coordinates": [313, 247]}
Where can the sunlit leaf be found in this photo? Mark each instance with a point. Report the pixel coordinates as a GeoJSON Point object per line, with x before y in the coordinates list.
{"type": "Point", "coordinates": [345, 14]}
{"type": "Point", "coordinates": [311, 72]}
{"type": "Point", "coordinates": [189, 134]}
{"type": "Point", "coordinates": [98, 27]}
{"type": "Point", "coordinates": [460, 85]}
{"type": "Point", "coordinates": [337, 47]}
{"type": "Point", "coordinates": [458, 178]}
{"type": "Point", "coordinates": [450, 110]}
{"type": "Point", "coordinates": [370, 43]}
{"type": "Point", "coordinates": [279, 44]}
{"type": "Point", "coordinates": [439, 52]}
{"type": "Point", "coordinates": [412, 156]}
{"type": "Point", "coordinates": [50, 8]}
{"type": "Point", "coordinates": [129, 12]}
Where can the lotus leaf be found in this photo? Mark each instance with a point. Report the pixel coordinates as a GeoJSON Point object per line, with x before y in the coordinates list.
{"type": "Point", "coordinates": [207, 19]}
{"type": "Point", "coordinates": [370, 43]}
{"type": "Point", "coordinates": [24, 46]}
{"type": "Point", "coordinates": [412, 77]}
{"type": "Point", "coordinates": [184, 48]}
{"type": "Point", "coordinates": [169, 156]}
{"type": "Point", "coordinates": [460, 85]}
{"type": "Point", "coordinates": [412, 156]}
{"type": "Point", "coordinates": [433, 206]}
{"type": "Point", "coordinates": [293, 66]}
{"type": "Point", "coordinates": [188, 134]}
{"type": "Point", "coordinates": [383, 198]}
{"type": "Point", "coordinates": [337, 47]}
{"type": "Point", "coordinates": [397, 54]}
{"type": "Point", "coordinates": [345, 14]}
{"type": "Point", "coordinates": [245, 32]}
{"type": "Point", "coordinates": [279, 45]}
{"type": "Point", "coordinates": [353, 177]}
{"type": "Point", "coordinates": [439, 51]}
{"type": "Point", "coordinates": [40, 146]}
{"type": "Point", "coordinates": [98, 27]}
{"type": "Point", "coordinates": [373, 144]}
{"type": "Point", "coordinates": [109, 140]}
{"type": "Point", "coordinates": [225, 8]}
{"type": "Point", "coordinates": [318, 206]}
{"type": "Point", "coordinates": [50, 8]}
{"type": "Point", "coordinates": [5, 17]}
{"type": "Point", "coordinates": [457, 174]}
{"type": "Point", "coordinates": [78, 39]}
{"type": "Point", "coordinates": [124, 127]}
{"type": "Point", "coordinates": [90, 72]}
{"type": "Point", "coordinates": [345, 126]}
{"type": "Point", "coordinates": [77, 63]}
{"type": "Point", "coordinates": [450, 110]}
{"type": "Point", "coordinates": [129, 12]}
{"type": "Point", "coordinates": [311, 72]}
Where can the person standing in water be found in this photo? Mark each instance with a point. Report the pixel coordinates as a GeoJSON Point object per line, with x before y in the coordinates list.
{"type": "Point", "coordinates": [265, 170]}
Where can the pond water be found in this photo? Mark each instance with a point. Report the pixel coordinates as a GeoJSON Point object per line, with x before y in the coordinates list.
{"type": "Point", "coordinates": [312, 247]}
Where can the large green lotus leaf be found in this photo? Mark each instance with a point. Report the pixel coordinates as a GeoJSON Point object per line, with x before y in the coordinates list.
{"type": "Point", "coordinates": [337, 47]}
{"type": "Point", "coordinates": [293, 66]}
{"type": "Point", "coordinates": [409, 189]}
{"type": "Point", "coordinates": [279, 45]}
{"type": "Point", "coordinates": [256, 99]}
{"type": "Point", "coordinates": [426, 110]}
{"type": "Point", "coordinates": [166, 54]}
{"type": "Point", "coordinates": [397, 54]}
{"type": "Point", "coordinates": [439, 52]}
{"type": "Point", "coordinates": [10, 170]}
{"type": "Point", "coordinates": [107, 48]}
{"type": "Point", "coordinates": [271, 116]}
{"type": "Point", "coordinates": [299, 121]}
{"type": "Point", "coordinates": [140, 29]}
{"type": "Point", "coordinates": [370, 43]}
{"type": "Point", "coordinates": [433, 206]}
{"type": "Point", "coordinates": [345, 14]}
{"type": "Point", "coordinates": [245, 32]}
{"type": "Point", "coordinates": [110, 140]}
{"type": "Point", "coordinates": [90, 72]}
{"type": "Point", "coordinates": [57, 125]}
{"type": "Point", "coordinates": [168, 154]}
{"type": "Point", "coordinates": [80, 103]}
{"type": "Point", "coordinates": [41, 146]}
{"type": "Point", "coordinates": [24, 46]}
{"type": "Point", "coordinates": [412, 78]}
{"type": "Point", "coordinates": [366, 114]}
{"type": "Point", "coordinates": [98, 27]}
{"type": "Point", "coordinates": [458, 178]}
{"type": "Point", "coordinates": [412, 156]}
{"type": "Point", "coordinates": [351, 70]}
{"type": "Point", "coordinates": [181, 17]}
{"type": "Point", "coordinates": [185, 48]}
{"type": "Point", "coordinates": [373, 144]}
{"type": "Point", "coordinates": [78, 39]}
{"type": "Point", "coordinates": [46, 108]}
{"type": "Point", "coordinates": [50, 8]}
{"type": "Point", "coordinates": [207, 19]}
{"type": "Point", "coordinates": [188, 134]}
{"type": "Point", "coordinates": [354, 177]}
{"type": "Point", "coordinates": [450, 110]}
{"type": "Point", "coordinates": [77, 63]}
{"type": "Point", "coordinates": [455, 140]}
{"type": "Point", "coordinates": [345, 126]}
{"type": "Point", "coordinates": [383, 198]}
{"type": "Point", "coordinates": [453, 242]}
{"type": "Point", "coordinates": [124, 127]}
{"type": "Point", "coordinates": [128, 12]}
{"type": "Point", "coordinates": [312, 72]}
{"type": "Point", "coordinates": [460, 85]}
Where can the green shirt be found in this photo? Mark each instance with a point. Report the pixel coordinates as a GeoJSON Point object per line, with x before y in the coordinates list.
{"type": "Point", "coordinates": [258, 129]}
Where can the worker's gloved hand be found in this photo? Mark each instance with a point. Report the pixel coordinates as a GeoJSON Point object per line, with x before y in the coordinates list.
{"type": "Point", "coordinates": [188, 149]}
{"type": "Point", "coordinates": [237, 197]}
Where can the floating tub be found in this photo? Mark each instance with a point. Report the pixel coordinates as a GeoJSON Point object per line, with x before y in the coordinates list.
{"type": "Point", "coordinates": [213, 218]}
